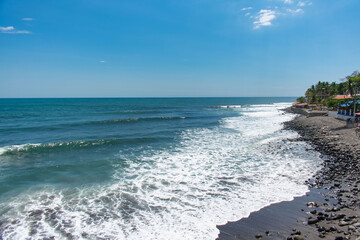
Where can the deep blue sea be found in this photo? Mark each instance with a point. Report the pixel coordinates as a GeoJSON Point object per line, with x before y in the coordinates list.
{"type": "Point", "coordinates": [144, 168]}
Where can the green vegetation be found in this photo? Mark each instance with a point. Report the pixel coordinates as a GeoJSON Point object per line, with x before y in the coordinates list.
{"type": "Point", "coordinates": [334, 103]}
{"type": "Point", "coordinates": [301, 100]}
{"type": "Point", "coordinates": [322, 92]}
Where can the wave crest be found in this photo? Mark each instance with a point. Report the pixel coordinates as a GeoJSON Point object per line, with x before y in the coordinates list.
{"type": "Point", "coordinates": [64, 146]}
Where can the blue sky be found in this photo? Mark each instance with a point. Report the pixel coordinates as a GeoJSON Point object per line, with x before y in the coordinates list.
{"type": "Point", "coordinates": [168, 48]}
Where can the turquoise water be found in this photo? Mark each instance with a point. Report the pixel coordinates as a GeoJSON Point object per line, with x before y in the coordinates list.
{"type": "Point", "coordinates": [146, 168]}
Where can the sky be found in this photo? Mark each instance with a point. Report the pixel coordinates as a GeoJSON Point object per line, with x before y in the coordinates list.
{"type": "Point", "coordinates": [175, 48]}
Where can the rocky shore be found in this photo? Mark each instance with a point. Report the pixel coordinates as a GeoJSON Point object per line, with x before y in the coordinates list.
{"type": "Point", "coordinates": [331, 210]}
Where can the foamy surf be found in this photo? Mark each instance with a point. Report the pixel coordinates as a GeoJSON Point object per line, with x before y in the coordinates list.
{"type": "Point", "coordinates": [15, 148]}
{"type": "Point", "coordinates": [231, 106]}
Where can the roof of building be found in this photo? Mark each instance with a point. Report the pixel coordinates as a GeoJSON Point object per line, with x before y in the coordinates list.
{"type": "Point", "coordinates": [300, 104]}
{"type": "Point", "coordinates": [341, 97]}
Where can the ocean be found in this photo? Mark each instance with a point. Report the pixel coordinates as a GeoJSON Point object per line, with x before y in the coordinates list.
{"type": "Point", "coordinates": [144, 168]}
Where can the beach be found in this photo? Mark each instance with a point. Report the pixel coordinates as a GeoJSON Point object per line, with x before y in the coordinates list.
{"type": "Point", "coordinates": [330, 210]}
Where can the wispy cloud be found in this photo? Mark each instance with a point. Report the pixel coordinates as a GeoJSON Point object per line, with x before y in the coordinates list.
{"type": "Point", "coordinates": [28, 19]}
{"type": "Point", "coordinates": [283, 8]}
{"type": "Point", "coordinates": [264, 18]}
{"type": "Point", "coordinates": [246, 8]}
{"type": "Point", "coordinates": [7, 29]}
{"type": "Point", "coordinates": [304, 3]}
{"type": "Point", "coordinates": [295, 11]}
{"type": "Point", "coordinates": [102, 61]}
{"type": "Point", "coordinates": [12, 30]}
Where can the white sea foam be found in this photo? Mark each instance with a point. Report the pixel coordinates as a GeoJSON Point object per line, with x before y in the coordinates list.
{"type": "Point", "coordinates": [213, 176]}
{"type": "Point", "coordinates": [6, 149]}
{"type": "Point", "coordinates": [231, 106]}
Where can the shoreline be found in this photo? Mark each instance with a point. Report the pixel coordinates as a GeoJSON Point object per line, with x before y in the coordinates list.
{"type": "Point", "coordinates": [331, 208]}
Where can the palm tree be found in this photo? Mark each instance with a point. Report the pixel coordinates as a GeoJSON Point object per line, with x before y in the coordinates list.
{"type": "Point", "coordinates": [349, 85]}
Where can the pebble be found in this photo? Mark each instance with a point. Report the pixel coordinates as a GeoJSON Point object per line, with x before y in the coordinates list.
{"type": "Point", "coordinates": [333, 228]}
{"type": "Point", "coordinates": [311, 204]}
{"type": "Point", "coordinates": [313, 221]}
{"type": "Point", "coordinates": [298, 237]}
{"type": "Point", "coordinates": [351, 227]}
{"type": "Point", "coordinates": [357, 225]}
{"type": "Point", "coordinates": [343, 223]}
{"type": "Point", "coordinates": [296, 233]}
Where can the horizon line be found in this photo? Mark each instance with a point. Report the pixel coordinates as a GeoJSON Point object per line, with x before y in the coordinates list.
{"type": "Point", "coordinates": [140, 97]}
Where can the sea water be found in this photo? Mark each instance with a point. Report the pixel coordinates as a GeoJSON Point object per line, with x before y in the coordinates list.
{"type": "Point", "coordinates": [144, 168]}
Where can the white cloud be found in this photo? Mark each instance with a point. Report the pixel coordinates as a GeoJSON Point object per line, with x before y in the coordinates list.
{"type": "Point", "coordinates": [21, 32]}
{"type": "Point", "coordinates": [295, 11]}
{"type": "Point", "coordinates": [281, 8]}
{"type": "Point", "coordinates": [304, 3]}
{"type": "Point", "coordinates": [264, 18]}
{"type": "Point", "coordinates": [301, 4]}
{"type": "Point", "coordinates": [102, 61]}
{"type": "Point", "coordinates": [28, 19]}
{"type": "Point", "coordinates": [247, 8]}
{"type": "Point", "coordinates": [7, 29]}
{"type": "Point", "coordinates": [12, 30]}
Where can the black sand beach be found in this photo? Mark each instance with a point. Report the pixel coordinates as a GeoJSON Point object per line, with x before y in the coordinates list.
{"type": "Point", "coordinates": [331, 208]}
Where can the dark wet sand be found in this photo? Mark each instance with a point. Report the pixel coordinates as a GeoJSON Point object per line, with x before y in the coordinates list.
{"type": "Point", "coordinates": [331, 209]}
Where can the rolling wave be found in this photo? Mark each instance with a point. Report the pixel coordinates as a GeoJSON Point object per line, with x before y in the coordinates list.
{"type": "Point", "coordinates": [66, 146]}
{"type": "Point", "coordinates": [125, 120]}
{"type": "Point", "coordinates": [97, 123]}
